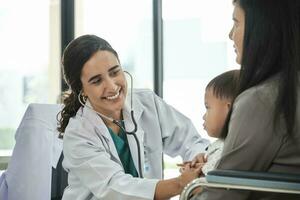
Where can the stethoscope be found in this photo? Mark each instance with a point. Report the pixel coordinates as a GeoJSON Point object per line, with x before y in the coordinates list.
{"type": "Point", "coordinates": [119, 122]}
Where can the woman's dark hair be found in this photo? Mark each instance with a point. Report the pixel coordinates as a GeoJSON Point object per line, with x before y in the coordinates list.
{"type": "Point", "coordinates": [225, 85]}
{"type": "Point", "coordinates": [272, 46]}
{"type": "Point", "coordinates": [75, 55]}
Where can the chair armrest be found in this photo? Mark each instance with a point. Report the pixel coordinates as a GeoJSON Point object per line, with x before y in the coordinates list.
{"type": "Point", "coordinates": [270, 176]}
{"type": "Point", "coordinates": [273, 181]}
{"type": "Point", "coordinates": [245, 180]}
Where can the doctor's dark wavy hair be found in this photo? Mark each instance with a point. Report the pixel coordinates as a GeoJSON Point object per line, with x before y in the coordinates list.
{"type": "Point", "coordinates": [272, 47]}
{"type": "Point", "coordinates": [75, 55]}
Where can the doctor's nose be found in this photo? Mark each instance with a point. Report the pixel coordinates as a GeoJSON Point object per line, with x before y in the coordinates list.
{"type": "Point", "coordinates": [204, 116]}
{"type": "Point", "coordinates": [110, 84]}
{"type": "Point", "coordinates": [230, 34]}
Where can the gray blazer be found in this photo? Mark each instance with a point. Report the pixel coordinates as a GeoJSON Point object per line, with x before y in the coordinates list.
{"type": "Point", "coordinates": [252, 143]}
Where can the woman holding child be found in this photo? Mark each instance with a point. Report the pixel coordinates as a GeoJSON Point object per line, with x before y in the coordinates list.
{"type": "Point", "coordinates": [262, 130]}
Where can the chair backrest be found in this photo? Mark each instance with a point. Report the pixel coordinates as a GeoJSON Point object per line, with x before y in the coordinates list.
{"type": "Point", "coordinates": [3, 187]}
{"type": "Point", "coordinates": [37, 150]}
{"type": "Point", "coordinates": [59, 180]}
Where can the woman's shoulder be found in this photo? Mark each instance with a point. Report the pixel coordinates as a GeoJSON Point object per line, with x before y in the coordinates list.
{"type": "Point", "coordinates": [264, 94]}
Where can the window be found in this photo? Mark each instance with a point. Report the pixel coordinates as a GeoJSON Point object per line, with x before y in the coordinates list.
{"type": "Point", "coordinates": [30, 57]}
{"type": "Point", "coordinates": [127, 26]}
{"type": "Point", "coordinates": [196, 49]}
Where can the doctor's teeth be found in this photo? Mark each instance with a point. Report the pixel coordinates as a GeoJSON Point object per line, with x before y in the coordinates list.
{"type": "Point", "coordinates": [114, 97]}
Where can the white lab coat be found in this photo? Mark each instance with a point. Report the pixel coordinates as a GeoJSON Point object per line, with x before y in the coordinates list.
{"type": "Point", "coordinates": [95, 170]}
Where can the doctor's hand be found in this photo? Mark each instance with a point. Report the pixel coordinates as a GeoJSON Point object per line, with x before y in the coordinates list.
{"type": "Point", "coordinates": [199, 159]}
{"type": "Point", "coordinates": [165, 189]}
{"type": "Point", "coordinates": [188, 174]}
{"type": "Point", "coordinates": [186, 164]}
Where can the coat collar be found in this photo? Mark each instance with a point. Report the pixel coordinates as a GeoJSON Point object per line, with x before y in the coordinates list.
{"type": "Point", "coordinates": [89, 113]}
{"type": "Point", "coordinates": [102, 131]}
{"type": "Point", "coordinates": [137, 108]}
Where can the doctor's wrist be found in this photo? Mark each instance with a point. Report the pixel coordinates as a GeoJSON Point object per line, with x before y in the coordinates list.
{"type": "Point", "coordinates": [181, 183]}
{"type": "Point", "coordinates": [165, 189]}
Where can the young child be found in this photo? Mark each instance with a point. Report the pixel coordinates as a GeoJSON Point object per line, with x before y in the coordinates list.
{"type": "Point", "coordinates": [219, 96]}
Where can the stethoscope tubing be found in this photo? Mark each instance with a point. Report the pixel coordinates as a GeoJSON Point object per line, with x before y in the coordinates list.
{"type": "Point", "coordinates": [119, 124]}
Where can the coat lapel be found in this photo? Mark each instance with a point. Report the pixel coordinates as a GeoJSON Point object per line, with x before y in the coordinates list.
{"type": "Point", "coordinates": [101, 130]}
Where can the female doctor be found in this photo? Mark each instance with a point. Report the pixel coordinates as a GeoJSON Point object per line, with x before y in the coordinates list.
{"type": "Point", "coordinates": [113, 145]}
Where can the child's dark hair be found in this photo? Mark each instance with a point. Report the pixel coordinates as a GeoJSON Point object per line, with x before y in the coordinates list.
{"type": "Point", "coordinates": [226, 85]}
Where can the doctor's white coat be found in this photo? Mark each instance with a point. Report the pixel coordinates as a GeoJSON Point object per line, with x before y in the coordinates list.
{"type": "Point", "coordinates": [90, 156]}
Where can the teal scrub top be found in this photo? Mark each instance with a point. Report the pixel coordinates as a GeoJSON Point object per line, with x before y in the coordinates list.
{"type": "Point", "coordinates": [121, 143]}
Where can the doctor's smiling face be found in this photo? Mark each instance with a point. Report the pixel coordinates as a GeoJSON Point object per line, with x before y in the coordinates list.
{"type": "Point", "coordinates": [104, 83]}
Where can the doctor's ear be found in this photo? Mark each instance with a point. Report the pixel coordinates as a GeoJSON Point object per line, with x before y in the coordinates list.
{"type": "Point", "coordinates": [82, 96]}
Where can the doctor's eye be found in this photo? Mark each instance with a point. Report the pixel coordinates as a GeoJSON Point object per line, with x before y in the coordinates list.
{"type": "Point", "coordinates": [115, 72]}
{"type": "Point", "coordinates": [97, 81]}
